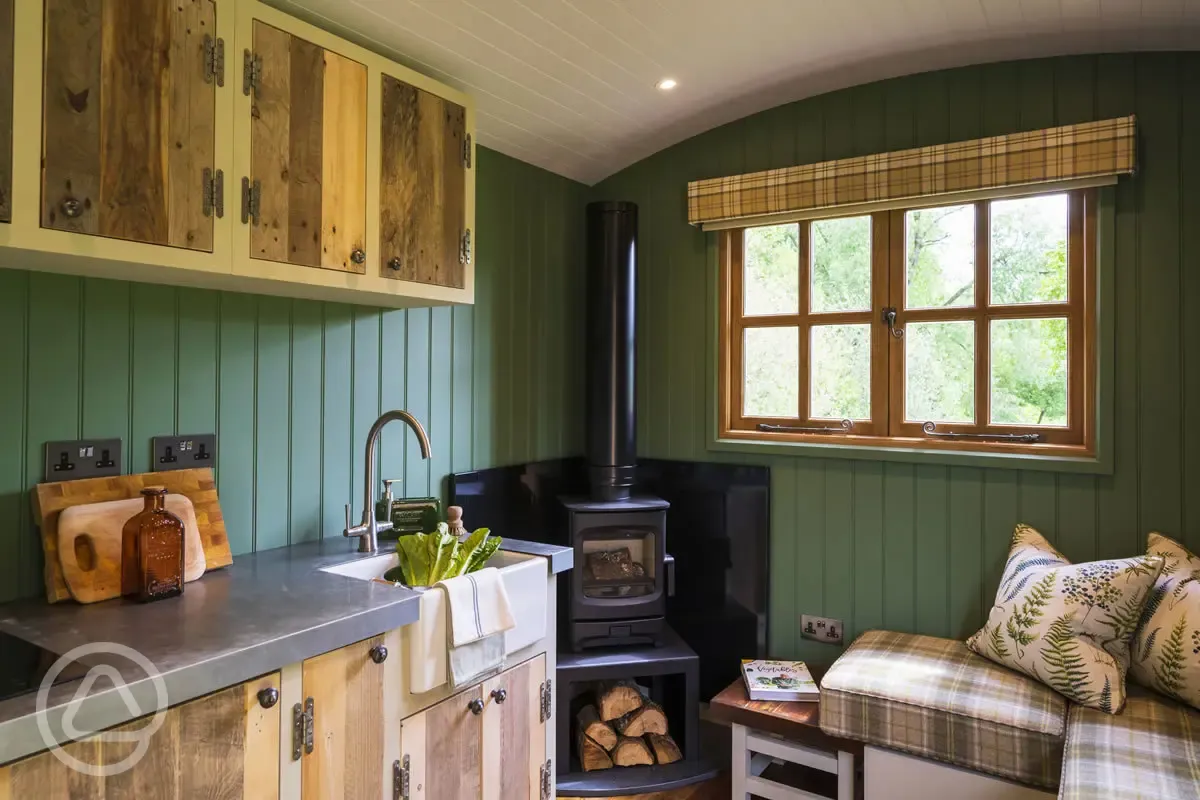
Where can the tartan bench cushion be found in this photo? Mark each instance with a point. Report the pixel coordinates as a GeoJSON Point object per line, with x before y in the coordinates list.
{"type": "Point", "coordinates": [1149, 750]}
{"type": "Point", "coordinates": [935, 698]}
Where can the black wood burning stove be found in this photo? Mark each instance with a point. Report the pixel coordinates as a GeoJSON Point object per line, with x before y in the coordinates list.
{"type": "Point", "coordinates": [620, 584]}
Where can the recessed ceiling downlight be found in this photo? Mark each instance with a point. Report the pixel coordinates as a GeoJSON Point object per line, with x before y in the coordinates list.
{"type": "Point", "coordinates": [666, 84]}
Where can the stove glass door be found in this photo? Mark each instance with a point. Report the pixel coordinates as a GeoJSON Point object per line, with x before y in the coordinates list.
{"type": "Point", "coordinates": [619, 561]}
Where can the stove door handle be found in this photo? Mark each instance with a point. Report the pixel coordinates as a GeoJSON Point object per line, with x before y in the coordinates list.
{"type": "Point", "coordinates": [669, 566]}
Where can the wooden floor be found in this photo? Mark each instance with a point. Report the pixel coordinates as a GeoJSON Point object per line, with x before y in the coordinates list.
{"type": "Point", "coordinates": [716, 789]}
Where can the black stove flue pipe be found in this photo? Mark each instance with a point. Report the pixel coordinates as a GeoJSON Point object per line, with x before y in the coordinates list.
{"type": "Point", "coordinates": [611, 331]}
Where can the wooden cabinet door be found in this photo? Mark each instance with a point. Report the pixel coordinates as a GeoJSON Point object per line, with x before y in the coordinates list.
{"type": "Point", "coordinates": [308, 153]}
{"type": "Point", "coordinates": [225, 745]}
{"type": "Point", "coordinates": [422, 186]}
{"type": "Point", "coordinates": [6, 108]}
{"type": "Point", "coordinates": [444, 748]}
{"type": "Point", "coordinates": [346, 687]}
{"type": "Point", "coordinates": [129, 119]}
{"type": "Point", "coordinates": [514, 736]}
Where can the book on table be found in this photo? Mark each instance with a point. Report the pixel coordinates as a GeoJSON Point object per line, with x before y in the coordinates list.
{"type": "Point", "coordinates": [779, 680]}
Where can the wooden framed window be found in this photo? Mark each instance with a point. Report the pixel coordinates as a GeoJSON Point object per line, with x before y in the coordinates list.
{"type": "Point", "coordinates": [964, 326]}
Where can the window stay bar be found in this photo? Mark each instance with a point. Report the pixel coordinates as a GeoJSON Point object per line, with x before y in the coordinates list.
{"type": "Point", "coordinates": [929, 429]}
{"type": "Point", "coordinates": [843, 427]}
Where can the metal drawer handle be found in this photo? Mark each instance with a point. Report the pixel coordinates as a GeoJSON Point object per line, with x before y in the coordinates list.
{"type": "Point", "coordinates": [268, 697]}
{"type": "Point", "coordinates": [475, 706]}
{"type": "Point", "coordinates": [395, 264]}
{"type": "Point", "coordinates": [499, 695]}
{"type": "Point", "coordinates": [358, 256]}
{"type": "Point", "coordinates": [379, 654]}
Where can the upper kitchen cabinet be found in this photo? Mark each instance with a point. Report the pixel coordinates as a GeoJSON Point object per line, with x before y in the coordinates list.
{"type": "Point", "coordinates": [422, 196]}
{"type": "Point", "coordinates": [354, 170]}
{"type": "Point", "coordinates": [129, 119]}
{"type": "Point", "coordinates": [6, 108]}
{"type": "Point", "coordinates": [227, 144]}
{"type": "Point", "coordinates": [306, 195]}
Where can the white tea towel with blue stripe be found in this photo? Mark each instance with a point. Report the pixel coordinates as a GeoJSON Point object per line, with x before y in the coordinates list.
{"type": "Point", "coordinates": [479, 616]}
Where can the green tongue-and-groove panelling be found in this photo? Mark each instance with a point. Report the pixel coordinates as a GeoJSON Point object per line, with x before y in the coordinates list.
{"type": "Point", "coordinates": [291, 386]}
{"type": "Point", "coordinates": [920, 547]}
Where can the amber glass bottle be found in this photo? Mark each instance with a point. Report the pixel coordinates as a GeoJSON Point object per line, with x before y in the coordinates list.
{"type": "Point", "coordinates": [152, 551]}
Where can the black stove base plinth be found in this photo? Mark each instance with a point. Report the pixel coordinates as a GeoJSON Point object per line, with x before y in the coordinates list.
{"type": "Point", "coordinates": [633, 780]}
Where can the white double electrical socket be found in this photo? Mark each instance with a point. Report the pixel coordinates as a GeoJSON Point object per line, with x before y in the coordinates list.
{"type": "Point", "coordinates": [821, 629]}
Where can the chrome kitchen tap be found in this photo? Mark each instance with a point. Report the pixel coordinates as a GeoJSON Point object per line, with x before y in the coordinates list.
{"type": "Point", "coordinates": [370, 528]}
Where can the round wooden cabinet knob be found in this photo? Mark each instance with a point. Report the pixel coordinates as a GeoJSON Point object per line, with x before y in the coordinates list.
{"type": "Point", "coordinates": [267, 698]}
{"type": "Point", "coordinates": [358, 256]}
{"type": "Point", "coordinates": [476, 706]}
{"type": "Point", "coordinates": [379, 654]}
{"type": "Point", "coordinates": [71, 208]}
{"type": "Point", "coordinates": [499, 695]}
{"type": "Point", "coordinates": [395, 264]}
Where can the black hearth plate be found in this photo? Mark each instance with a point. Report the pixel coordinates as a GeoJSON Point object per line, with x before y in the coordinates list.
{"type": "Point", "coordinates": [633, 780]}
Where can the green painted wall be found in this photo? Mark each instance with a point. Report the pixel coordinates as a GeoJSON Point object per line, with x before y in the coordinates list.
{"type": "Point", "coordinates": [920, 547]}
{"type": "Point", "coordinates": [291, 387]}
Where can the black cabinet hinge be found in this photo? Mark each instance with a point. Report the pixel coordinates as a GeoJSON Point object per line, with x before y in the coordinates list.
{"type": "Point", "coordinates": [214, 60]}
{"type": "Point", "coordinates": [252, 66]}
{"type": "Point", "coordinates": [214, 192]}
{"type": "Point", "coordinates": [546, 697]}
{"type": "Point", "coordinates": [467, 152]}
{"type": "Point", "coordinates": [400, 779]}
{"type": "Point", "coordinates": [251, 198]}
{"type": "Point", "coordinates": [302, 729]}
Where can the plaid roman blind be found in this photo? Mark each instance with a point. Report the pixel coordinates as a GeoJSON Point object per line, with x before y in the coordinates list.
{"type": "Point", "coordinates": [1068, 154]}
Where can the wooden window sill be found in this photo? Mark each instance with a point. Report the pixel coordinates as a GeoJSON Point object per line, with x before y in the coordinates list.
{"type": "Point", "coordinates": [1047, 458]}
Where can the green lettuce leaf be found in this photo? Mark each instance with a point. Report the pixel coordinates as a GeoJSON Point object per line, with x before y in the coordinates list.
{"type": "Point", "coordinates": [480, 557]}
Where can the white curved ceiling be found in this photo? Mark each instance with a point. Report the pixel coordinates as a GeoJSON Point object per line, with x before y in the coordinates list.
{"type": "Point", "coordinates": [569, 85]}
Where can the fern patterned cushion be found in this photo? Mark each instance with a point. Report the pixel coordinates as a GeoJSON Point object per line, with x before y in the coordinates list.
{"type": "Point", "coordinates": [1166, 647]}
{"type": "Point", "coordinates": [1067, 625]}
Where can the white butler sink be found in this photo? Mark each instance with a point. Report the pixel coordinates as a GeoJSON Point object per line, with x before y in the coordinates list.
{"type": "Point", "coordinates": [525, 580]}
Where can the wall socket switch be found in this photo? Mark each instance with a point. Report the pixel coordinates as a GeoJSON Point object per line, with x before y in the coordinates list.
{"type": "Point", "coordinates": [186, 451]}
{"type": "Point", "coordinates": [821, 629]}
{"type": "Point", "coordinates": [82, 458]}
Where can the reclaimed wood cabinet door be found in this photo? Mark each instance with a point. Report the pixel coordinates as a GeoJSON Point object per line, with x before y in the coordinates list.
{"type": "Point", "coordinates": [424, 157]}
{"type": "Point", "coordinates": [129, 118]}
{"type": "Point", "coordinates": [6, 109]}
{"type": "Point", "coordinates": [443, 748]}
{"type": "Point", "coordinates": [308, 131]}
{"type": "Point", "coordinates": [514, 735]}
{"type": "Point", "coordinates": [347, 691]}
{"type": "Point", "coordinates": [224, 745]}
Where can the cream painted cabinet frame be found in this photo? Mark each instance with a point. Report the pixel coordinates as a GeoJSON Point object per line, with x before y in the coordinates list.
{"type": "Point", "coordinates": [289, 207]}
{"type": "Point", "coordinates": [93, 72]}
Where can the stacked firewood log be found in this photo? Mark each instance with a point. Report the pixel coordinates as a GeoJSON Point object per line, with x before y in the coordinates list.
{"type": "Point", "coordinates": [624, 729]}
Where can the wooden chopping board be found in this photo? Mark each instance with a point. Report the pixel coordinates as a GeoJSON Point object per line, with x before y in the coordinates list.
{"type": "Point", "coordinates": [89, 545]}
{"type": "Point", "coordinates": [50, 499]}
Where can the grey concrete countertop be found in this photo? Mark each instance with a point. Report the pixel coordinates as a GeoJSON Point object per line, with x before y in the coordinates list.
{"type": "Point", "coordinates": [267, 610]}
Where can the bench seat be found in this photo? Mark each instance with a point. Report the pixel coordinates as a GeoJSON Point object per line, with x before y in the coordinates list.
{"type": "Point", "coordinates": [936, 699]}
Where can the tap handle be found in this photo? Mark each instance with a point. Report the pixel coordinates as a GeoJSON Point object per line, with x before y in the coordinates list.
{"type": "Point", "coordinates": [348, 523]}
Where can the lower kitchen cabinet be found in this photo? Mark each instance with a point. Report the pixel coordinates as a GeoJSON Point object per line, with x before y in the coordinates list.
{"type": "Point", "coordinates": [344, 705]}
{"type": "Point", "coordinates": [487, 742]}
{"type": "Point", "coordinates": [225, 745]}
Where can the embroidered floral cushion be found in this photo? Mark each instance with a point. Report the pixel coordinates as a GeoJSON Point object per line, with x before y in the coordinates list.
{"type": "Point", "coordinates": [1166, 648]}
{"type": "Point", "coordinates": [1067, 625]}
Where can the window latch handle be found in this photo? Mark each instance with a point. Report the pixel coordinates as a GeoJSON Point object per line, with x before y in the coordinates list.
{"type": "Point", "coordinates": [889, 319]}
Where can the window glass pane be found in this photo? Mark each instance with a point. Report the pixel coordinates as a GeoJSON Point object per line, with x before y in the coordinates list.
{"type": "Point", "coordinates": [939, 371]}
{"type": "Point", "coordinates": [1029, 249]}
{"type": "Point", "coordinates": [1029, 371]}
{"type": "Point", "coordinates": [940, 257]}
{"type": "Point", "coordinates": [771, 283]}
{"type": "Point", "coordinates": [841, 372]}
{"type": "Point", "coordinates": [772, 366]}
{"type": "Point", "coordinates": [841, 264]}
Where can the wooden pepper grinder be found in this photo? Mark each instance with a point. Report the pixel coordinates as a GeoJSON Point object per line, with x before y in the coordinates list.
{"type": "Point", "coordinates": [454, 521]}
